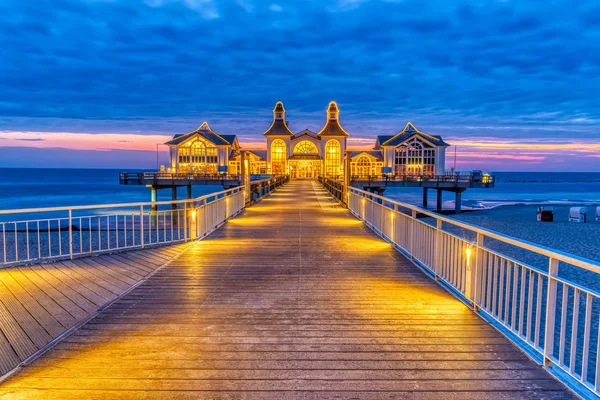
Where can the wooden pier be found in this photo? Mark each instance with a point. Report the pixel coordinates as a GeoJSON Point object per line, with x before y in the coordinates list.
{"type": "Point", "coordinates": [293, 299]}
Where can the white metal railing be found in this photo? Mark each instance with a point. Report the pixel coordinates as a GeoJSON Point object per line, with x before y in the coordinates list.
{"type": "Point", "coordinates": [35, 234]}
{"type": "Point", "coordinates": [511, 282]}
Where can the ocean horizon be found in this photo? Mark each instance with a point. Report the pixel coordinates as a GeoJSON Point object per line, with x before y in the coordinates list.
{"type": "Point", "coordinates": [61, 187]}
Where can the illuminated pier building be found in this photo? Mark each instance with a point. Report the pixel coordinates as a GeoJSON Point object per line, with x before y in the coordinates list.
{"type": "Point", "coordinates": [307, 154]}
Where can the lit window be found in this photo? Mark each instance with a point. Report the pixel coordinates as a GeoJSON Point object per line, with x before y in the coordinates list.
{"type": "Point", "coordinates": [332, 158]}
{"type": "Point", "coordinates": [278, 157]}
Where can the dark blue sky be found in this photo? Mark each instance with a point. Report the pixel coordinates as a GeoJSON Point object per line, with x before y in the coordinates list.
{"type": "Point", "coordinates": [488, 75]}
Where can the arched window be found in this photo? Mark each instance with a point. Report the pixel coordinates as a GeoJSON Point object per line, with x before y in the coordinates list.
{"type": "Point", "coordinates": [415, 158]}
{"type": "Point", "coordinates": [278, 157]}
{"type": "Point", "coordinates": [306, 147]}
{"type": "Point", "coordinates": [362, 166]}
{"type": "Point", "coordinates": [332, 158]}
{"type": "Point", "coordinates": [199, 157]}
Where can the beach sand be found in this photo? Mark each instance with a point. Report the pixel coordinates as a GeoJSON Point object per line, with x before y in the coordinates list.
{"type": "Point", "coordinates": [519, 221]}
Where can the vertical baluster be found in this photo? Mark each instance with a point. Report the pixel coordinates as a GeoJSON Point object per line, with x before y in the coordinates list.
{"type": "Point", "coordinates": [80, 236]}
{"type": "Point", "coordinates": [4, 240]}
{"type": "Point", "coordinates": [108, 231]}
{"type": "Point", "coordinates": [522, 300]}
{"type": "Point", "coordinates": [125, 230]}
{"type": "Point", "coordinates": [90, 233]}
{"type": "Point", "coordinates": [142, 226]}
{"type": "Point", "coordinates": [501, 289]}
{"type": "Point", "coordinates": [538, 311]}
{"type": "Point", "coordinates": [515, 296]}
{"type": "Point", "coordinates": [59, 238]}
{"type": "Point", "coordinates": [550, 311]}
{"type": "Point", "coordinates": [70, 234]}
{"type": "Point", "coordinates": [27, 238]}
{"type": "Point", "coordinates": [586, 338]}
{"type": "Point", "coordinates": [16, 243]}
{"type": "Point", "coordinates": [117, 231]}
{"type": "Point", "coordinates": [49, 240]}
{"type": "Point", "coordinates": [490, 274]}
{"type": "Point", "coordinates": [164, 227]}
{"type": "Point", "coordinates": [495, 284]}
{"type": "Point", "coordinates": [563, 324]}
{"type": "Point", "coordinates": [99, 236]}
{"type": "Point", "coordinates": [185, 235]}
{"type": "Point", "coordinates": [597, 373]}
{"type": "Point", "coordinates": [39, 239]}
{"type": "Point", "coordinates": [530, 306]}
{"type": "Point", "coordinates": [574, 331]}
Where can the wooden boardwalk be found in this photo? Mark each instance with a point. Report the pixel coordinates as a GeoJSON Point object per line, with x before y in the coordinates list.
{"type": "Point", "coordinates": [294, 299]}
{"type": "Point", "coordinates": [39, 303]}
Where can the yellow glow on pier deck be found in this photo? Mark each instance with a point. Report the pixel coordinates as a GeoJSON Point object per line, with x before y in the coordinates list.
{"type": "Point", "coordinates": [294, 299]}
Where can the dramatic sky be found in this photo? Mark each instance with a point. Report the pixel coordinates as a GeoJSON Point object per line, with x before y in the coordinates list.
{"type": "Point", "coordinates": [98, 83]}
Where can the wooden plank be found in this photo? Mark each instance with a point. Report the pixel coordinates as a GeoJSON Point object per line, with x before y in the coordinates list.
{"type": "Point", "coordinates": [59, 313]}
{"type": "Point", "coordinates": [15, 293]}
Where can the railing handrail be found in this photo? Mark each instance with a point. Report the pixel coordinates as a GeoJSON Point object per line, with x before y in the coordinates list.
{"type": "Point", "coordinates": [572, 259]}
{"type": "Point", "coordinates": [569, 258]}
{"type": "Point", "coordinates": [116, 205]}
{"type": "Point", "coordinates": [531, 305]}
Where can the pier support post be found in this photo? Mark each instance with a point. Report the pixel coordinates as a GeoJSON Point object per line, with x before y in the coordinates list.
{"type": "Point", "coordinates": [189, 192]}
{"type": "Point", "coordinates": [153, 198]}
{"type": "Point", "coordinates": [439, 200]}
{"type": "Point", "coordinates": [425, 190]}
{"type": "Point", "coordinates": [174, 196]}
{"type": "Point", "coordinates": [458, 202]}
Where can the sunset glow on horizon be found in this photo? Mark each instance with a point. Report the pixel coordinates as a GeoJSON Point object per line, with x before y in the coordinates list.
{"type": "Point", "coordinates": [512, 85]}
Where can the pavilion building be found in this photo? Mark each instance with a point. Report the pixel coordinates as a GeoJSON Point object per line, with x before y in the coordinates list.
{"type": "Point", "coordinates": [307, 154]}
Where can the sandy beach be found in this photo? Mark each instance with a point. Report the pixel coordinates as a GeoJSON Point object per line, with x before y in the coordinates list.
{"type": "Point", "coordinates": [581, 239]}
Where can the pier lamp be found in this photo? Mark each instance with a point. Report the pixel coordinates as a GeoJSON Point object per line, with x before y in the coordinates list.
{"type": "Point", "coordinates": [468, 255]}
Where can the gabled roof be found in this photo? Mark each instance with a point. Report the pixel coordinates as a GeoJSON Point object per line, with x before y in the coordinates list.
{"type": "Point", "coordinates": [262, 154]}
{"type": "Point", "coordinates": [279, 125]}
{"type": "Point", "coordinates": [406, 134]}
{"type": "Point", "coordinates": [306, 132]}
{"type": "Point", "coordinates": [332, 126]}
{"type": "Point", "coordinates": [207, 133]}
{"type": "Point", "coordinates": [259, 153]}
{"type": "Point", "coordinates": [377, 154]}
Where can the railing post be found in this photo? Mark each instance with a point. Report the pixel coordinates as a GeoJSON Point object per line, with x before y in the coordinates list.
{"type": "Point", "coordinates": [412, 234]}
{"type": "Point", "coordinates": [437, 266]}
{"type": "Point", "coordinates": [550, 311]}
{"type": "Point", "coordinates": [477, 270]}
{"type": "Point", "coordinates": [142, 226]}
{"type": "Point", "coordinates": [71, 234]}
{"type": "Point", "coordinates": [185, 224]}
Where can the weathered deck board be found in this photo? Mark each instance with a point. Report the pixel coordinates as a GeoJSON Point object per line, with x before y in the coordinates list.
{"type": "Point", "coordinates": [38, 303]}
{"type": "Point", "coordinates": [295, 299]}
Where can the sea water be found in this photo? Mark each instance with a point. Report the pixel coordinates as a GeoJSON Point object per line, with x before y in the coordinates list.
{"type": "Point", "coordinates": [559, 188]}
{"type": "Point", "coordinates": [35, 188]}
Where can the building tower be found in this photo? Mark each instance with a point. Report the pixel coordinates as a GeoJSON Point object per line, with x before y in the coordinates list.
{"type": "Point", "coordinates": [278, 142]}
{"type": "Point", "coordinates": [333, 143]}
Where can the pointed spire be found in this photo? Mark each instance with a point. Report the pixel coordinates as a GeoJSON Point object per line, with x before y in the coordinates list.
{"type": "Point", "coordinates": [279, 111]}
{"type": "Point", "coordinates": [279, 125]}
{"type": "Point", "coordinates": [332, 126]}
{"type": "Point", "coordinates": [333, 111]}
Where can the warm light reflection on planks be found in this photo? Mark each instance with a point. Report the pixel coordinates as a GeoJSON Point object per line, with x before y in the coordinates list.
{"type": "Point", "coordinates": [292, 300]}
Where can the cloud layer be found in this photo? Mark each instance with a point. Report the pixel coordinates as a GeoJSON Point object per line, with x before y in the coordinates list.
{"type": "Point", "coordinates": [503, 70]}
